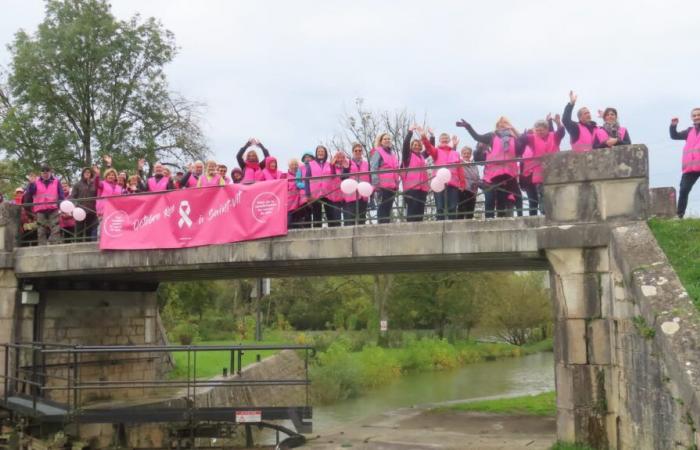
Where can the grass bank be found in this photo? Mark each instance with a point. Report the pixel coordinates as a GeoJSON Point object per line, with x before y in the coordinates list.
{"type": "Point", "coordinates": [567, 446]}
{"type": "Point", "coordinates": [212, 363]}
{"type": "Point", "coordinates": [680, 240]}
{"type": "Point", "coordinates": [544, 404]}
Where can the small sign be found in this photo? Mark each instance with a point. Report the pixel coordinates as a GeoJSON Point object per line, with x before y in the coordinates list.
{"type": "Point", "coordinates": [383, 325]}
{"type": "Point", "coordinates": [248, 416]}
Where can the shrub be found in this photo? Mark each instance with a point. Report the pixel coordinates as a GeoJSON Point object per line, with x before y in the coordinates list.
{"type": "Point", "coordinates": [185, 333]}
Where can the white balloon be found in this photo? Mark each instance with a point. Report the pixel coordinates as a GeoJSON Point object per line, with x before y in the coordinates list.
{"type": "Point", "coordinates": [67, 206]}
{"type": "Point", "coordinates": [443, 174]}
{"type": "Point", "coordinates": [437, 185]}
{"type": "Point", "coordinates": [365, 189]}
{"type": "Point", "coordinates": [79, 214]}
{"type": "Point", "coordinates": [349, 186]}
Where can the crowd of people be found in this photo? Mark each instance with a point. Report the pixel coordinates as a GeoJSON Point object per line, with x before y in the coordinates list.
{"type": "Point", "coordinates": [512, 164]}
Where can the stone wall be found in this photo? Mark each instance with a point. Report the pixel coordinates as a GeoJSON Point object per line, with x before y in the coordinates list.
{"type": "Point", "coordinates": [101, 318]}
{"type": "Point", "coordinates": [655, 342]}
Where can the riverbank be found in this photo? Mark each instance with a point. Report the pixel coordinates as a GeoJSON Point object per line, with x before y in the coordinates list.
{"type": "Point", "coordinates": [423, 429]}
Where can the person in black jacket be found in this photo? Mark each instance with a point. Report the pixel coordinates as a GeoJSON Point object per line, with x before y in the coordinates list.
{"type": "Point", "coordinates": [691, 157]}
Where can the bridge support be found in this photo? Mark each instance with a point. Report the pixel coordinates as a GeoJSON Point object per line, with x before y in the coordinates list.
{"type": "Point", "coordinates": [604, 187]}
{"type": "Point", "coordinates": [616, 386]}
{"type": "Point", "coordinates": [581, 287]}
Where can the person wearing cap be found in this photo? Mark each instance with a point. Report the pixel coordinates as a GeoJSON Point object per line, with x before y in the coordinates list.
{"type": "Point", "coordinates": [17, 199]}
{"type": "Point", "coordinates": [46, 193]}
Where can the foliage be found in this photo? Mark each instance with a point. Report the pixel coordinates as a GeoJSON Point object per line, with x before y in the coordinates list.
{"type": "Point", "coordinates": [10, 178]}
{"type": "Point", "coordinates": [519, 305]}
{"type": "Point", "coordinates": [569, 446]}
{"type": "Point", "coordinates": [322, 303]}
{"type": "Point", "coordinates": [437, 301]}
{"type": "Point", "coordinates": [643, 328]}
{"type": "Point", "coordinates": [680, 240]}
{"type": "Point", "coordinates": [185, 333]}
{"type": "Point", "coordinates": [85, 84]}
{"type": "Point", "coordinates": [544, 404]}
{"type": "Point", "coordinates": [338, 373]}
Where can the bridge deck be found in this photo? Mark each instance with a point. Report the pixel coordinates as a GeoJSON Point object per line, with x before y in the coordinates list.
{"type": "Point", "coordinates": [502, 244]}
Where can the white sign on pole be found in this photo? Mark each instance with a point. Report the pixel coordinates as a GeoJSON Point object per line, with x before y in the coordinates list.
{"type": "Point", "coordinates": [383, 325]}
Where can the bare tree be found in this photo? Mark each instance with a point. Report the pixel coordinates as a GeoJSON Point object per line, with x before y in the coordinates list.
{"type": "Point", "coordinates": [363, 125]}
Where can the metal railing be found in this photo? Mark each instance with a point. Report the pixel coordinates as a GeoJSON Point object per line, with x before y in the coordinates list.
{"type": "Point", "coordinates": [55, 374]}
{"type": "Point", "coordinates": [487, 202]}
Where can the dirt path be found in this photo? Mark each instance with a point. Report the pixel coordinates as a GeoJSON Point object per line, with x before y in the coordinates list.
{"type": "Point", "coordinates": [419, 429]}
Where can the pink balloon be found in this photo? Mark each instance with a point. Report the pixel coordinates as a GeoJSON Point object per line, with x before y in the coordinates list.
{"type": "Point", "coordinates": [348, 186]}
{"type": "Point", "coordinates": [443, 174]}
{"type": "Point", "coordinates": [365, 189]}
{"type": "Point", "coordinates": [79, 214]}
{"type": "Point", "coordinates": [437, 185]}
{"type": "Point", "coordinates": [67, 206]}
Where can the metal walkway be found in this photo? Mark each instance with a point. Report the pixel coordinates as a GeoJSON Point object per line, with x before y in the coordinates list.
{"type": "Point", "coordinates": [55, 385]}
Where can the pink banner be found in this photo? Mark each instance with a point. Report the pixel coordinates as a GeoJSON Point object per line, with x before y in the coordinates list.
{"type": "Point", "coordinates": [194, 217]}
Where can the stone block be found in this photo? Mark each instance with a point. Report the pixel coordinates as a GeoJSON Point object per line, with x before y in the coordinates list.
{"type": "Point", "coordinates": [662, 202]}
{"type": "Point", "coordinates": [7, 279]}
{"type": "Point", "coordinates": [570, 341]}
{"type": "Point", "coordinates": [597, 259]}
{"type": "Point", "coordinates": [561, 202]}
{"type": "Point", "coordinates": [564, 383]}
{"type": "Point", "coordinates": [566, 430]}
{"type": "Point", "coordinates": [589, 235]}
{"type": "Point", "coordinates": [580, 296]}
{"type": "Point", "coordinates": [599, 341]}
{"type": "Point", "coordinates": [566, 261]}
{"type": "Point", "coordinates": [629, 161]}
{"type": "Point", "coordinates": [628, 199]}
{"type": "Point", "coordinates": [606, 296]}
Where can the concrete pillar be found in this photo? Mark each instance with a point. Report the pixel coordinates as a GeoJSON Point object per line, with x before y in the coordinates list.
{"type": "Point", "coordinates": [582, 345]}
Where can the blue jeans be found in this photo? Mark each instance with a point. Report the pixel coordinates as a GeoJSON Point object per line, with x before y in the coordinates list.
{"type": "Point", "coordinates": [450, 196]}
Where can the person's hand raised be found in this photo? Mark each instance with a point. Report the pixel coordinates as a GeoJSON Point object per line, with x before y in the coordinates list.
{"type": "Point", "coordinates": [674, 121]}
{"type": "Point", "coordinates": [572, 97]}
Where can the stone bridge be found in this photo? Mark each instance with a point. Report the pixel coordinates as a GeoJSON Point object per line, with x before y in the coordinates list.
{"type": "Point", "coordinates": [626, 362]}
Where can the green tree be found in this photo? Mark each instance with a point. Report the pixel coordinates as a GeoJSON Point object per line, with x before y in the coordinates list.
{"type": "Point", "coordinates": [86, 84]}
{"type": "Point", "coordinates": [437, 301]}
{"type": "Point", "coordinates": [519, 304]}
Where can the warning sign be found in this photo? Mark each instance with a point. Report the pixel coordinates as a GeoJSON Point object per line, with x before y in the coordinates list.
{"type": "Point", "coordinates": [248, 416]}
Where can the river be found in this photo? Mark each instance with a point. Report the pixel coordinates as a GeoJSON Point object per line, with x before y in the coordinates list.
{"type": "Point", "coordinates": [502, 378]}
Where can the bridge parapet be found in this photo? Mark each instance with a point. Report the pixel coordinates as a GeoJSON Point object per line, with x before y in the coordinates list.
{"type": "Point", "coordinates": [601, 185]}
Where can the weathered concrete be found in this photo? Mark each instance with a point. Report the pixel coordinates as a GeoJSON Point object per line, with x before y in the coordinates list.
{"type": "Point", "coordinates": [601, 185]}
{"type": "Point", "coordinates": [663, 202]}
{"type": "Point", "coordinates": [655, 347]}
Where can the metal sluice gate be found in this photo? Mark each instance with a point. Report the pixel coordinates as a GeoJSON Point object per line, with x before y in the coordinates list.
{"type": "Point", "coordinates": [52, 387]}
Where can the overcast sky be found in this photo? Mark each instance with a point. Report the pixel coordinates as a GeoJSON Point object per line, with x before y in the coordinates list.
{"type": "Point", "coordinates": [283, 71]}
